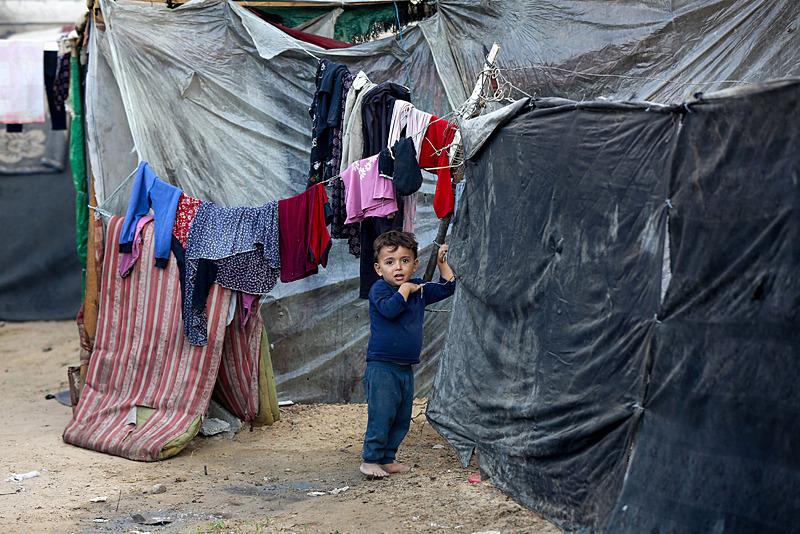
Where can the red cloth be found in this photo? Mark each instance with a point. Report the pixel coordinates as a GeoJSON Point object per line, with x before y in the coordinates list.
{"type": "Point", "coordinates": [440, 134]}
{"type": "Point", "coordinates": [184, 215]}
{"type": "Point", "coordinates": [322, 42]}
{"type": "Point", "coordinates": [304, 238]}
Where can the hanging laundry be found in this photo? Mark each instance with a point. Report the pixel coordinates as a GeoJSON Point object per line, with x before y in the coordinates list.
{"type": "Point", "coordinates": [149, 191]}
{"type": "Point", "coordinates": [352, 150]}
{"type": "Point", "coordinates": [304, 238]}
{"type": "Point", "coordinates": [435, 153]}
{"type": "Point", "coordinates": [367, 193]}
{"type": "Point", "coordinates": [184, 215]}
{"type": "Point", "coordinates": [238, 248]}
{"type": "Point", "coordinates": [407, 176]}
{"type": "Point", "coordinates": [338, 228]}
{"type": "Point", "coordinates": [249, 305]}
{"type": "Point", "coordinates": [377, 109]}
{"type": "Point", "coordinates": [128, 259]}
{"type": "Point", "coordinates": [408, 121]}
{"type": "Point", "coordinates": [326, 114]}
{"type": "Point", "coordinates": [416, 127]}
{"type": "Point", "coordinates": [22, 82]}
{"type": "Point", "coordinates": [353, 120]}
{"type": "Point", "coordinates": [56, 88]}
{"type": "Point", "coordinates": [58, 108]}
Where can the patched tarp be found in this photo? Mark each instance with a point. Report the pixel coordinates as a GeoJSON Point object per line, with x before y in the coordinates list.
{"type": "Point", "coordinates": [237, 91]}
{"type": "Point", "coordinates": [584, 395]}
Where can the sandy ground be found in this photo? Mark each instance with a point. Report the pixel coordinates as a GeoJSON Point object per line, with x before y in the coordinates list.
{"type": "Point", "coordinates": [257, 482]}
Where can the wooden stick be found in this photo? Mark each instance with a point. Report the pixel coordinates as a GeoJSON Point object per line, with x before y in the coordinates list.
{"type": "Point", "coordinates": [471, 109]}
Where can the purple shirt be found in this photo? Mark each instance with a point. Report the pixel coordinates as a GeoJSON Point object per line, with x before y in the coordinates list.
{"type": "Point", "coordinates": [367, 193]}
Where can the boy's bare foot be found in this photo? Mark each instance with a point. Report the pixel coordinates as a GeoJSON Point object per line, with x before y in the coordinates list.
{"type": "Point", "coordinates": [395, 467]}
{"type": "Point", "coordinates": [373, 470]}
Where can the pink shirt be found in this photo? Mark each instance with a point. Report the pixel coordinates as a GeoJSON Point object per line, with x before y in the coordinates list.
{"type": "Point", "coordinates": [366, 192]}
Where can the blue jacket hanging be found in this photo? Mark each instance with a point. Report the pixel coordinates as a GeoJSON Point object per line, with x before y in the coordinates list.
{"type": "Point", "coordinates": [150, 191]}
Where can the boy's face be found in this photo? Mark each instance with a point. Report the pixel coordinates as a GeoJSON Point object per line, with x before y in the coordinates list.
{"type": "Point", "coordinates": [397, 265]}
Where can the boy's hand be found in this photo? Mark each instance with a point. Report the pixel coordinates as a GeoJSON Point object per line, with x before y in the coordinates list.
{"type": "Point", "coordinates": [444, 268]}
{"type": "Point", "coordinates": [406, 288]}
{"type": "Point", "coordinates": [441, 255]}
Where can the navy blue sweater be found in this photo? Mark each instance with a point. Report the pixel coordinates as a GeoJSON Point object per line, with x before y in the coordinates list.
{"type": "Point", "coordinates": [395, 326]}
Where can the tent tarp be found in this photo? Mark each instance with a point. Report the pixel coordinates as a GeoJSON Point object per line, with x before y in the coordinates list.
{"type": "Point", "coordinates": [585, 396]}
{"type": "Point", "coordinates": [237, 91]}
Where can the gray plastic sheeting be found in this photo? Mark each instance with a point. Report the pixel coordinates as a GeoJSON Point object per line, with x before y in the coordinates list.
{"type": "Point", "coordinates": [217, 101]}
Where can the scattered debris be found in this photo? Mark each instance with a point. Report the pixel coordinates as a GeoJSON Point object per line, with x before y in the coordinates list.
{"type": "Point", "coordinates": [217, 411]}
{"type": "Point", "coordinates": [180, 479]}
{"type": "Point", "coordinates": [19, 477]}
{"type": "Point", "coordinates": [281, 404]}
{"type": "Point", "coordinates": [150, 519]}
{"type": "Point", "coordinates": [212, 426]}
{"type": "Point", "coordinates": [337, 491]}
{"type": "Point", "coordinates": [19, 488]}
{"type": "Point", "coordinates": [140, 532]}
{"type": "Point", "coordinates": [47, 349]}
{"type": "Point", "coordinates": [100, 520]}
{"type": "Point", "coordinates": [487, 532]}
{"type": "Point", "coordinates": [438, 446]}
{"type": "Point", "coordinates": [316, 493]}
{"type": "Point", "coordinates": [99, 499]}
{"type": "Point", "coordinates": [157, 489]}
{"type": "Point", "coordinates": [474, 478]}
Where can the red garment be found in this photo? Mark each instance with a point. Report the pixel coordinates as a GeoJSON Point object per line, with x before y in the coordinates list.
{"type": "Point", "coordinates": [304, 238]}
{"type": "Point", "coordinates": [184, 215]}
{"type": "Point", "coordinates": [440, 134]}
{"type": "Point", "coordinates": [322, 42]}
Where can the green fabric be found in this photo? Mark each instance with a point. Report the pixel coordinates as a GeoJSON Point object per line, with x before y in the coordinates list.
{"type": "Point", "coordinates": [355, 24]}
{"type": "Point", "coordinates": [268, 410]}
{"type": "Point", "coordinates": [77, 160]}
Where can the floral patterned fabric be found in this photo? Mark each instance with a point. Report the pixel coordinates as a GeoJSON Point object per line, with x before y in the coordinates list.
{"type": "Point", "coordinates": [187, 209]}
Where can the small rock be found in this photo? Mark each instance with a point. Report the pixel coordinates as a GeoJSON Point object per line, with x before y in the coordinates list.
{"type": "Point", "coordinates": [47, 349]}
{"type": "Point", "coordinates": [2, 324]}
{"type": "Point", "coordinates": [316, 493]}
{"type": "Point", "coordinates": [99, 499]}
{"type": "Point", "coordinates": [180, 479]}
{"type": "Point", "coordinates": [438, 446]}
{"type": "Point", "coordinates": [158, 488]}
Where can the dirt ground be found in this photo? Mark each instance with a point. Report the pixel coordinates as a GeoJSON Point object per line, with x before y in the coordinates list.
{"type": "Point", "coordinates": [257, 482]}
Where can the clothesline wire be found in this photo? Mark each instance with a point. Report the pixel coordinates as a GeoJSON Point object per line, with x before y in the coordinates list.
{"type": "Point", "coordinates": [101, 207]}
{"type": "Point", "coordinates": [576, 72]}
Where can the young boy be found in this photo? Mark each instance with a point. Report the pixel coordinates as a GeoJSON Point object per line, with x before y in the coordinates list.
{"type": "Point", "coordinates": [396, 309]}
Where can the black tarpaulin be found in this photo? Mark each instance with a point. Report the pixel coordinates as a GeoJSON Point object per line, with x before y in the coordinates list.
{"type": "Point", "coordinates": [584, 397]}
{"type": "Point", "coordinates": [718, 446]}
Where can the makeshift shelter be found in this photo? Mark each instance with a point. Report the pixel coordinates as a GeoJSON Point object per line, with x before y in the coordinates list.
{"type": "Point", "coordinates": [40, 275]}
{"type": "Point", "coordinates": [585, 377]}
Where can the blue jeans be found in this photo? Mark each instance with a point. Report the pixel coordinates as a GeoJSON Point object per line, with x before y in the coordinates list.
{"type": "Point", "coordinates": [389, 389]}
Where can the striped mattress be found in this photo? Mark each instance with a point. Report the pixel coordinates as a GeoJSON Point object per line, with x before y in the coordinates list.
{"type": "Point", "coordinates": [147, 387]}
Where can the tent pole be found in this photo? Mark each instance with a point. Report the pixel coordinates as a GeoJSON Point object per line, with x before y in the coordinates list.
{"type": "Point", "coordinates": [471, 109]}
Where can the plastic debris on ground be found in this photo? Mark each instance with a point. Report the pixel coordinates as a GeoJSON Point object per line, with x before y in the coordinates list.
{"type": "Point", "coordinates": [19, 477]}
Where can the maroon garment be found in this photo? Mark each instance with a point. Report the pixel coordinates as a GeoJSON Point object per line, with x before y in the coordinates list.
{"type": "Point", "coordinates": [322, 42]}
{"type": "Point", "coordinates": [304, 238]}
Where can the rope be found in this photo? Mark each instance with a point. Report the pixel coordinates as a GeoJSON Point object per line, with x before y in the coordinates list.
{"type": "Point", "coordinates": [623, 76]}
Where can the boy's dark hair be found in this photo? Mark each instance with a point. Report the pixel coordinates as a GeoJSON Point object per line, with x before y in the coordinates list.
{"type": "Point", "coordinates": [393, 239]}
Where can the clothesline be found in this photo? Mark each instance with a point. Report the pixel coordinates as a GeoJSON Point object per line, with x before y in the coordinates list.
{"type": "Point", "coordinates": [623, 76]}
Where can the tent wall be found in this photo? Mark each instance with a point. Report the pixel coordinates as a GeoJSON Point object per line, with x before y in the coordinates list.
{"type": "Point", "coordinates": [585, 395]}
{"type": "Point", "coordinates": [40, 275]}
{"type": "Point", "coordinates": [237, 91]}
